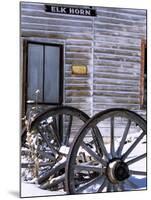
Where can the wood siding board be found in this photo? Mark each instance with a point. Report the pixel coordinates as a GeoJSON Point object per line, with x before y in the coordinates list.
{"type": "Point", "coordinates": [113, 45]}
{"type": "Point", "coordinates": [116, 54]}
{"type": "Point", "coordinates": [119, 21]}
{"type": "Point", "coordinates": [124, 105]}
{"type": "Point", "coordinates": [34, 6]}
{"type": "Point", "coordinates": [118, 51]}
{"type": "Point", "coordinates": [118, 61]}
{"type": "Point", "coordinates": [115, 81]}
{"type": "Point", "coordinates": [117, 76]}
{"type": "Point", "coordinates": [61, 28]}
{"type": "Point", "coordinates": [60, 21]}
{"type": "Point", "coordinates": [72, 41]}
{"type": "Point", "coordinates": [119, 15]}
{"type": "Point", "coordinates": [75, 49]}
{"type": "Point", "coordinates": [68, 34]}
{"type": "Point", "coordinates": [118, 28]}
{"type": "Point", "coordinates": [118, 69]}
{"type": "Point", "coordinates": [78, 60]}
{"type": "Point", "coordinates": [120, 66]}
{"type": "Point", "coordinates": [115, 88]}
{"type": "Point", "coordinates": [117, 36]}
{"type": "Point", "coordinates": [124, 11]}
{"type": "Point", "coordinates": [115, 100]}
{"type": "Point", "coordinates": [77, 56]}
{"type": "Point", "coordinates": [117, 39]}
{"type": "Point", "coordinates": [41, 33]}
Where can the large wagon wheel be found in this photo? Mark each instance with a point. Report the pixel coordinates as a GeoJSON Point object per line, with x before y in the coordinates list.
{"type": "Point", "coordinates": [52, 132]}
{"type": "Point", "coordinates": [123, 164]}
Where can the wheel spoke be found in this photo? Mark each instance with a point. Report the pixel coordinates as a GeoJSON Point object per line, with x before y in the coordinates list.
{"type": "Point", "coordinates": [67, 134]}
{"type": "Point", "coordinates": [47, 142]}
{"type": "Point", "coordinates": [54, 182]}
{"type": "Point", "coordinates": [139, 173]}
{"type": "Point", "coordinates": [81, 167]}
{"type": "Point", "coordinates": [46, 155]}
{"type": "Point", "coordinates": [115, 188]}
{"type": "Point", "coordinates": [96, 142]}
{"type": "Point", "coordinates": [88, 184]}
{"type": "Point", "coordinates": [41, 164]}
{"type": "Point", "coordinates": [112, 147]}
{"type": "Point", "coordinates": [55, 131]}
{"type": "Point", "coordinates": [137, 159]}
{"type": "Point", "coordinates": [133, 146]}
{"type": "Point", "coordinates": [119, 151]}
{"type": "Point", "coordinates": [93, 154]}
{"type": "Point", "coordinates": [51, 172]}
{"type": "Point", "coordinates": [101, 143]}
{"type": "Point", "coordinates": [121, 185]}
{"type": "Point", "coordinates": [131, 184]}
{"type": "Point", "coordinates": [109, 187]}
{"type": "Point", "coordinates": [105, 182]}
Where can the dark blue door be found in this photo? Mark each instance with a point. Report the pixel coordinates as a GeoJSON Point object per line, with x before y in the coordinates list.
{"type": "Point", "coordinates": [44, 73]}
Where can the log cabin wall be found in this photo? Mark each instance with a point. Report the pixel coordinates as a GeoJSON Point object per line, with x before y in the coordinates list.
{"type": "Point", "coordinates": [117, 51]}
{"type": "Point", "coordinates": [108, 44]}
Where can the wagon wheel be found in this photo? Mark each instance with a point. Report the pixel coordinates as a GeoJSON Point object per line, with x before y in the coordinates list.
{"type": "Point", "coordinates": [53, 142]}
{"type": "Point", "coordinates": [123, 164]}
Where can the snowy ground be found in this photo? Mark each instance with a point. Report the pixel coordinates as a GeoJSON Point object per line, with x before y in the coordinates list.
{"type": "Point", "coordinates": [30, 190]}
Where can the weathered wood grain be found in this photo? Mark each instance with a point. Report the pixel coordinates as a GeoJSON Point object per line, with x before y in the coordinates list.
{"type": "Point", "coordinates": [108, 44]}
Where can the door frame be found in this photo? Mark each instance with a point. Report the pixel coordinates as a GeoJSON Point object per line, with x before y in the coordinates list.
{"type": "Point", "coordinates": [25, 73]}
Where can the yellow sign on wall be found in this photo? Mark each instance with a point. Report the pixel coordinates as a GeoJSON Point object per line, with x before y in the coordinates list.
{"type": "Point", "coordinates": [79, 69]}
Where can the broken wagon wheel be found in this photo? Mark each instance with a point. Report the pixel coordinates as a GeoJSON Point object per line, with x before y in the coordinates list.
{"type": "Point", "coordinates": [55, 128]}
{"type": "Point", "coordinates": [123, 165]}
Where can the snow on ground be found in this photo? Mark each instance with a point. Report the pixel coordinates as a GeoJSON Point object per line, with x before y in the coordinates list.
{"type": "Point", "coordinates": [32, 190]}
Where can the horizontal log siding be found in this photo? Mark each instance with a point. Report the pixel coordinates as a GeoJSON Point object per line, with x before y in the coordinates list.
{"type": "Point", "coordinates": [108, 44]}
{"type": "Point", "coordinates": [117, 42]}
{"type": "Point", "coordinates": [75, 32]}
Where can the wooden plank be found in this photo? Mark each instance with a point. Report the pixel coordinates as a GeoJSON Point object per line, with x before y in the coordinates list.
{"type": "Point", "coordinates": [115, 81]}
{"type": "Point", "coordinates": [122, 46]}
{"type": "Point", "coordinates": [117, 39]}
{"type": "Point", "coordinates": [61, 28]}
{"type": "Point", "coordinates": [53, 35]}
{"type": "Point", "coordinates": [117, 21]}
{"type": "Point", "coordinates": [98, 50]}
{"type": "Point", "coordinates": [115, 99]}
{"type": "Point", "coordinates": [121, 15]}
{"type": "Point", "coordinates": [77, 49]}
{"type": "Point", "coordinates": [118, 87]}
{"type": "Point", "coordinates": [35, 6]}
{"type": "Point", "coordinates": [48, 20]}
{"type": "Point", "coordinates": [121, 34]}
{"type": "Point", "coordinates": [128, 11]}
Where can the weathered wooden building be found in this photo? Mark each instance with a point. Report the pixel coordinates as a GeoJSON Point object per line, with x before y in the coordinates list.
{"type": "Point", "coordinates": [111, 46]}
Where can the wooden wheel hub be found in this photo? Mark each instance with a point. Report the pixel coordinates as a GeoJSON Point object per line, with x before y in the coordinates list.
{"type": "Point", "coordinates": [117, 171]}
